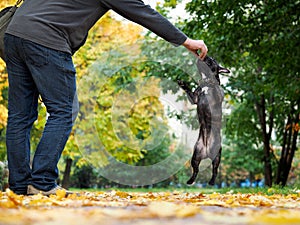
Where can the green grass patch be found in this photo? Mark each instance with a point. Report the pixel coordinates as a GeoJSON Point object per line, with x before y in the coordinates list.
{"type": "Point", "coordinates": [265, 190]}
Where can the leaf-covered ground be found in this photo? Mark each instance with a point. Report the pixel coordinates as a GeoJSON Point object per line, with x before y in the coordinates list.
{"type": "Point", "coordinates": [150, 208]}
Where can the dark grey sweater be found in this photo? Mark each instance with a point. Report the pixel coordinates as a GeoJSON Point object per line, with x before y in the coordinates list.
{"type": "Point", "coordinates": [64, 24]}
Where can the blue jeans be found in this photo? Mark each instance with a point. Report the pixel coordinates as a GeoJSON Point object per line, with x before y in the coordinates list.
{"type": "Point", "coordinates": [33, 71]}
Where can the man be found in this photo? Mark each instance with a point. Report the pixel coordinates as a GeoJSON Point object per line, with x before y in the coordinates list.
{"type": "Point", "coordinates": [39, 44]}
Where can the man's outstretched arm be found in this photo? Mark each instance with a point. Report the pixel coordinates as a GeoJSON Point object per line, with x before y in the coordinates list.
{"type": "Point", "coordinates": [138, 12]}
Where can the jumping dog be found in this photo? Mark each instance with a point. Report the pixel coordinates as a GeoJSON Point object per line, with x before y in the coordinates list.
{"type": "Point", "coordinates": [208, 97]}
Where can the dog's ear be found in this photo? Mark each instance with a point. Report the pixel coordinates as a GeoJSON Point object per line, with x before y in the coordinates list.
{"type": "Point", "coordinates": [223, 70]}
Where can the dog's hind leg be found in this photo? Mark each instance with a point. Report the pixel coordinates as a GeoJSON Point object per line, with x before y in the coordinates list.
{"type": "Point", "coordinates": [196, 159]}
{"type": "Point", "coordinates": [215, 166]}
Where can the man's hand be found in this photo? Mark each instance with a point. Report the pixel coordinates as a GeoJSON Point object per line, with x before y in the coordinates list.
{"type": "Point", "coordinates": [197, 47]}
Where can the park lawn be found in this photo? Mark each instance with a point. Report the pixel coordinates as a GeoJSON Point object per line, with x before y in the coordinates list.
{"type": "Point", "coordinates": [209, 190]}
{"type": "Point", "coordinates": [156, 206]}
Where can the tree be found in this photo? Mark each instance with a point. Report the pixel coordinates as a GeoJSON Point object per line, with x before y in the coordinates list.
{"type": "Point", "coordinates": [120, 112]}
{"type": "Point", "coordinates": [257, 39]}
{"type": "Point", "coordinates": [102, 39]}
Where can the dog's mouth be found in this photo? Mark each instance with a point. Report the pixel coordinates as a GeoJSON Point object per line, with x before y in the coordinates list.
{"type": "Point", "coordinates": [214, 66]}
{"type": "Point", "coordinates": [223, 70]}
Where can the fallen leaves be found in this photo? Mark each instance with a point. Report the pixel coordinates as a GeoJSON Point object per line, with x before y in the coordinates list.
{"type": "Point", "coordinates": [113, 207]}
{"type": "Point", "coordinates": [167, 209]}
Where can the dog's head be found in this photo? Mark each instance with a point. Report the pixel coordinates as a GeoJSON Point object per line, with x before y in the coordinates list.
{"type": "Point", "coordinates": [213, 65]}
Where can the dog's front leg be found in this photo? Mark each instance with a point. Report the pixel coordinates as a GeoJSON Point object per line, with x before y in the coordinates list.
{"type": "Point", "coordinates": [192, 96]}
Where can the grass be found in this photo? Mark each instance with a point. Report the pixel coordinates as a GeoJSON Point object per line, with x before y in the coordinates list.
{"type": "Point", "coordinates": [264, 190]}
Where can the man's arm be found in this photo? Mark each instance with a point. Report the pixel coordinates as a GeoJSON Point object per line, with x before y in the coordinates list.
{"type": "Point", "coordinates": [138, 12]}
{"type": "Point", "coordinates": [197, 47]}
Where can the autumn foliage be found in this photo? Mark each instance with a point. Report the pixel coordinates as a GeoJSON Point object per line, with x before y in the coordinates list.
{"type": "Point", "coordinates": [177, 207]}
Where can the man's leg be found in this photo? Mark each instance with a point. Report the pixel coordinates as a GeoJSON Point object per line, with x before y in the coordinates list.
{"type": "Point", "coordinates": [22, 112]}
{"type": "Point", "coordinates": [55, 77]}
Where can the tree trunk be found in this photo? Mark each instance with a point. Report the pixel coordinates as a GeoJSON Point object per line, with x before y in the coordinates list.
{"type": "Point", "coordinates": [268, 167]}
{"type": "Point", "coordinates": [261, 111]}
{"type": "Point", "coordinates": [289, 147]}
{"type": "Point", "coordinates": [66, 178]}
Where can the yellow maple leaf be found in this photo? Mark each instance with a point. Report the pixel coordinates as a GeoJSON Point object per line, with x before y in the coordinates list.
{"type": "Point", "coordinates": [60, 194]}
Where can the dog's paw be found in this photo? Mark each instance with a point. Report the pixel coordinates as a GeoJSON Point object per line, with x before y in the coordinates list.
{"type": "Point", "coordinates": [190, 181]}
{"type": "Point", "coordinates": [211, 183]}
{"type": "Point", "coordinates": [183, 85]}
{"type": "Point", "coordinates": [180, 82]}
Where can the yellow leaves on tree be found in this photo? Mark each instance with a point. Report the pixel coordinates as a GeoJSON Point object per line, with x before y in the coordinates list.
{"type": "Point", "coordinates": [3, 116]}
{"type": "Point", "coordinates": [107, 34]}
{"type": "Point", "coordinates": [129, 117]}
{"type": "Point", "coordinates": [5, 3]}
{"type": "Point", "coordinates": [3, 75]}
{"type": "Point", "coordinates": [123, 118]}
{"type": "Point", "coordinates": [3, 85]}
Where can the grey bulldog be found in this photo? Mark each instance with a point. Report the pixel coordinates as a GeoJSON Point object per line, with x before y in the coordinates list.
{"type": "Point", "coordinates": [208, 97]}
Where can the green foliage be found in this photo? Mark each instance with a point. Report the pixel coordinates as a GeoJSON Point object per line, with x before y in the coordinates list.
{"type": "Point", "coordinates": [2, 145]}
{"type": "Point", "coordinates": [93, 131]}
{"type": "Point", "coordinates": [164, 7]}
{"type": "Point", "coordinates": [132, 115]}
{"type": "Point", "coordinates": [260, 41]}
{"type": "Point", "coordinates": [120, 111]}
